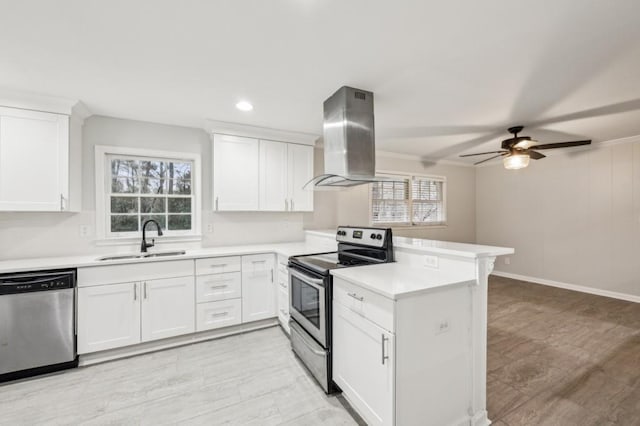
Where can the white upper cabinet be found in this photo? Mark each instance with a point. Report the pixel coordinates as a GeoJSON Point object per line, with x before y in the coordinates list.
{"type": "Point", "coordinates": [34, 160]}
{"type": "Point", "coordinates": [300, 171]}
{"type": "Point", "coordinates": [273, 176]}
{"type": "Point", "coordinates": [284, 169]}
{"type": "Point", "coordinates": [261, 169]}
{"type": "Point", "coordinates": [236, 177]}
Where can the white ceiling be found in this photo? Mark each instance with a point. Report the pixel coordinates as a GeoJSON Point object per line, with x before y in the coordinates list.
{"type": "Point", "coordinates": [448, 76]}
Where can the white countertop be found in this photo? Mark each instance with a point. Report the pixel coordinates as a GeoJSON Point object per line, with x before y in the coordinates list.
{"type": "Point", "coordinates": [396, 280]}
{"type": "Point", "coordinates": [437, 246]}
{"type": "Point", "coordinates": [34, 264]}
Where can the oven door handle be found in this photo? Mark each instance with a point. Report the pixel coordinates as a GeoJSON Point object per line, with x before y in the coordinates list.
{"type": "Point", "coordinates": [314, 282]}
{"type": "Point", "coordinates": [295, 328]}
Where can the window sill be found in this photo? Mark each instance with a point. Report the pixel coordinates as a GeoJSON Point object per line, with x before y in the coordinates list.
{"type": "Point", "coordinates": [124, 241]}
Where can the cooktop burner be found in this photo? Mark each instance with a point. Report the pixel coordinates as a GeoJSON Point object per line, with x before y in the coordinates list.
{"type": "Point", "coordinates": [326, 261]}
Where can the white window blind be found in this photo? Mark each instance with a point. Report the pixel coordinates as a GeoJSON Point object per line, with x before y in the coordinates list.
{"type": "Point", "coordinates": [409, 200]}
{"type": "Point", "coordinates": [390, 202]}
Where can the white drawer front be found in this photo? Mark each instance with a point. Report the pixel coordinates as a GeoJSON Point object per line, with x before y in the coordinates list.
{"type": "Point", "coordinates": [210, 288]}
{"type": "Point", "coordinates": [217, 265]}
{"type": "Point", "coordinates": [370, 305]}
{"type": "Point", "coordinates": [283, 260]}
{"type": "Point", "coordinates": [218, 314]}
{"type": "Point", "coordinates": [283, 309]}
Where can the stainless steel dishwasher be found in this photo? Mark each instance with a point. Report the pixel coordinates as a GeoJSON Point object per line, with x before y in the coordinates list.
{"type": "Point", "coordinates": [37, 323]}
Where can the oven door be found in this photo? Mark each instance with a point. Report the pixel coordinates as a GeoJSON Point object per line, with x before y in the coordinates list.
{"type": "Point", "coordinates": [307, 304]}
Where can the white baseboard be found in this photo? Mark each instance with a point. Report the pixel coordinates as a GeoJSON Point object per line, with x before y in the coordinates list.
{"type": "Point", "coordinates": [172, 342]}
{"type": "Point", "coordinates": [567, 286]}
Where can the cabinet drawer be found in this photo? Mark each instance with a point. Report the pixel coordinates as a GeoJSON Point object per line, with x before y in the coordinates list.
{"type": "Point", "coordinates": [283, 281]}
{"type": "Point", "coordinates": [214, 287]}
{"type": "Point", "coordinates": [370, 305]}
{"type": "Point", "coordinates": [218, 314]}
{"type": "Point", "coordinates": [217, 265]}
{"type": "Point", "coordinates": [283, 260]}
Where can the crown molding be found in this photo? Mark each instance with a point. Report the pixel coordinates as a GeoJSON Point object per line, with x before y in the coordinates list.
{"type": "Point", "coordinates": [237, 129]}
{"type": "Point", "coordinates": [36, 102]}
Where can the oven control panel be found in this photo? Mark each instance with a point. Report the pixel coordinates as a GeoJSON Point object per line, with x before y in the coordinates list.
{"type": "Point", "coordinates": [373, 237]}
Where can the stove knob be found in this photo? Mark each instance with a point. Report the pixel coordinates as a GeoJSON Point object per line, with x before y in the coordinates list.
{"type": "Point", "coordinates": [379, 236]}
{"type": "Point", "coordinates": [373, 236]}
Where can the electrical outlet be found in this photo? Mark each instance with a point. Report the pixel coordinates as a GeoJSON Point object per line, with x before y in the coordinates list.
{"type": "Point", "coordinates": [84, 230]}
{"type": "Point", "coordinates": [431, 261]}
{"type": "Point", "coordinates": [442, 326]}
{"type": "Point", "coordinates": [210, 227]}
{"type": "Point", "coordinates": [507, 260]}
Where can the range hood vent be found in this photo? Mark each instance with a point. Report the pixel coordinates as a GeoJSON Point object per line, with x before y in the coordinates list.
{"type": "Point", "coordinates": [349, 140]}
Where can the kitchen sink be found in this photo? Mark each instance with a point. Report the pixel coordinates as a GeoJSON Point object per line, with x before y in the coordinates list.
{"type": "Point", "coordinates": [142, 255]}
{"type": "Point", "coordinates": [165, 253]}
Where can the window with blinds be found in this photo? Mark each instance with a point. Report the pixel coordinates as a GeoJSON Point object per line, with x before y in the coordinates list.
{"type": "Point", "coordinates": [409, 200]}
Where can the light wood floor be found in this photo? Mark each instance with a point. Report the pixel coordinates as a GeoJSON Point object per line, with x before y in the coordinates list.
{"type": "Point", "coordinates": [249, 379]}
{"type": "Point", "coordinates": [559, 357]}
{"type": "Point", "coordinates": [555, 358]}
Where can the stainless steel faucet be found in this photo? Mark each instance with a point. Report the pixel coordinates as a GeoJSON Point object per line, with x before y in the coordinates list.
{"type": "Point", "coordinates": [145, 245]}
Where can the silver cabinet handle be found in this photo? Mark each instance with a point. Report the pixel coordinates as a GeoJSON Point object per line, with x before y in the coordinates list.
{"type": "Point", "coordinates": [355, 296]}
{"type": "Point", "coordinates": [135, 291]}
{"type": "Point", "coordinates": [286, 205]}
{"type": "Point", "coordinates": [218, 286]}
{"type": "Point", "coordinates": [292, 205]}
{"type": "Point", "coordinates": [145, 289]}
{"type": "Point", "coordinates": [61, 202]}
{"type": "Point", "coordinates": [282, 284]}
{"type": "Point", "coordinates": [216, 203]}
{"type": "Point", "coordinates": [384, 338]}
{"type": "Point", "coordinates": [258, 261]}
{"type": "Point", "coordinates": [219, 265]}
{"type": "Point", "coordinates": [271, 274]}
{"type": "Point", "coordinates": [221, 314]}
{"type": "Point", "coordinates": [283, 312]}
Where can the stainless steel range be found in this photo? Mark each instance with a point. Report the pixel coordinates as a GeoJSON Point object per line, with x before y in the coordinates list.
{"type": "Point", "coordinates": [310, 293]}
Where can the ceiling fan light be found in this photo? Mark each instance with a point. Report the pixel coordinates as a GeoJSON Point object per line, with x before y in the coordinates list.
{"type": "Point", "coordinates": [515, 161]}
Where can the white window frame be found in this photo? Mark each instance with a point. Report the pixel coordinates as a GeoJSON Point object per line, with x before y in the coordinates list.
{"type": "Point", "coordinates": [411, 224]}
{"type": "Point", "coordinates": [102, 153]}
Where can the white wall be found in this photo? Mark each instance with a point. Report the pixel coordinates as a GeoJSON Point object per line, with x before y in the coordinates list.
{"type": "Point", "coordinates": [353, 203]}
{"type": "Point", "coordinates": [572, 218]}
{"type": "Point", "coordinates": [24, 235]}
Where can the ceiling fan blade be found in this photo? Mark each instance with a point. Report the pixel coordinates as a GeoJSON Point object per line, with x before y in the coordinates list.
{"type": "Point", "coordinates": [490, 158]}
{"type": "Point", "coordinates": [483, 153]}
{"type": "Point", "coordinates": [561, 144]}
{"type": "Point", "coordinates": [535, 155]}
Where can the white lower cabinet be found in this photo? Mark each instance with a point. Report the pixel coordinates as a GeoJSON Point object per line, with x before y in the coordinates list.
{"type": "Point", "coordinates": [108, 316]}
{"type": "Point", "coordinates": [168, 308]}
{"type": "Point", "coordinates": [258, 287]}
{"type": "Point", "coordinates": [363, 364]}
{"type": "Point", "coordinates": [218, 314]}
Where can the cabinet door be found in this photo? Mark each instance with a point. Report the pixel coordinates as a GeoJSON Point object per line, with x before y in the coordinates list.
{"type": "Point", "coordinates": [300, 171]}
{"type": "Point", "coordinates": [34, 160]}
{"type": "Point", "coordinates": [168, 308]}
{"type": "Point", "coordinates": [108, 317]}
{"type": "Point", "coordinates": [363, 365]}
{"type": "Point", "coordinates": [258, 287]}
{"type": "Point", "coordinates": [273, 176]}
{"type": "Point", "coordinates": [235, 173]}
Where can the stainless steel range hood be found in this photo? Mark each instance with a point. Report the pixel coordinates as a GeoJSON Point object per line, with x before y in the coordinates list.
{"type": "Point", "coordinates": [349, 140]}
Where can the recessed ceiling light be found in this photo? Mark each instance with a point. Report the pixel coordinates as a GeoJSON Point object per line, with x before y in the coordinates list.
{"type": "Point", "coordinates": [244, 106]}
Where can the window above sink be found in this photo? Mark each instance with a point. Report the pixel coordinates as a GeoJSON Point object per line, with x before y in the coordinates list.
{"type": "Point", "coordinates": [134, 185]}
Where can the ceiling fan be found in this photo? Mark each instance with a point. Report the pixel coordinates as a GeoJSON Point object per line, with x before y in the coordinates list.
{"type": "Point", "coordinates": [518, 150]}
